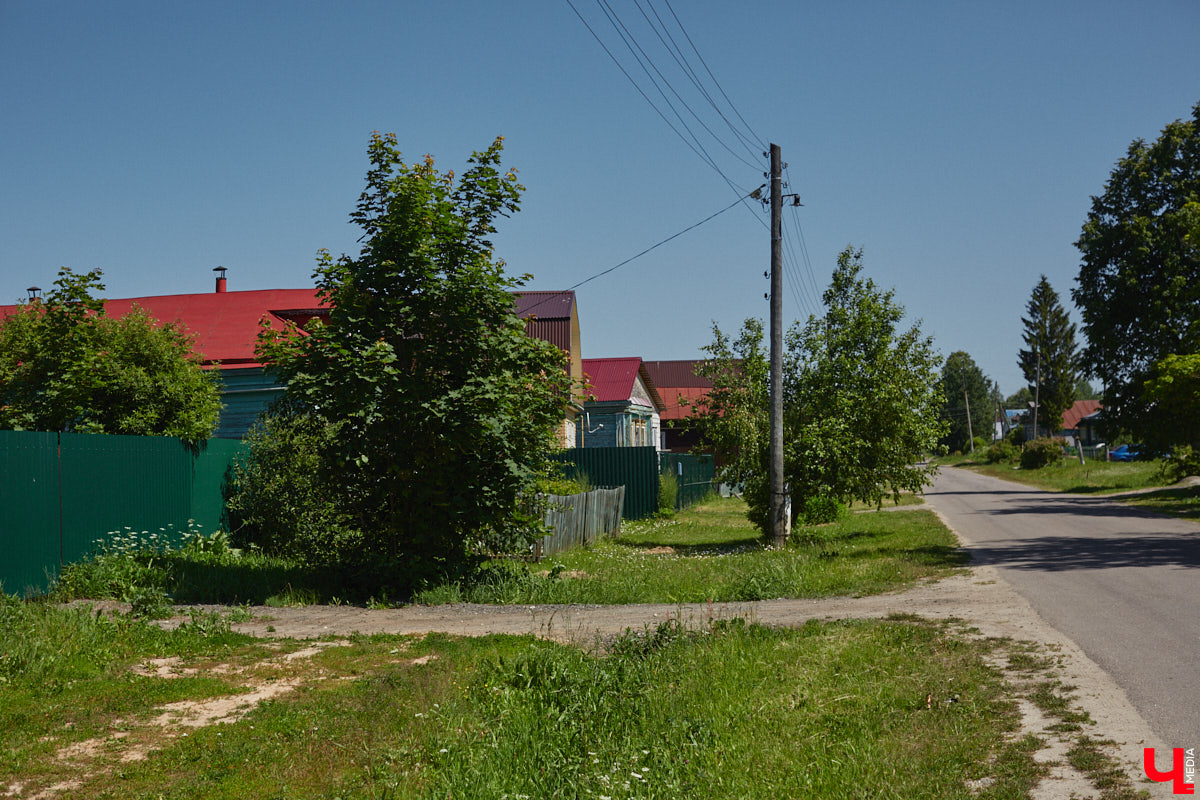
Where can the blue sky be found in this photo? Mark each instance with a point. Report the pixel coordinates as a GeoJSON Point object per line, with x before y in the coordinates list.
{"type": "Point", "coordinates": [957, 143]}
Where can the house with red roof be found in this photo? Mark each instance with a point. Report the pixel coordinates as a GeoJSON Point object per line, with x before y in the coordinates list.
{"type": "Point", "coordinates": [226, 324]}
{"type": "Point", "coordinates": [623, 409]}
{"type": "Point", "coordinates": [680, 388]}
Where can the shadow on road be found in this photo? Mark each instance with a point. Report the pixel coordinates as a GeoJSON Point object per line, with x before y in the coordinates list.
{"type": "Point", "coordinates": [1061, 553]}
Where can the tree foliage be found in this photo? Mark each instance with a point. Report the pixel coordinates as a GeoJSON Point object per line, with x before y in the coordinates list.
{"type": "Point", "coordinates": [1139, 281]}
{"type": "Point", "coordinates": [1050, 360]}
{"type": "Point", "coordinates": [67, 366]}
{"type": "Point", "coordinates": [1173, 389]}
{"type": "Point", "coordinates": [861, 400]}
{"type": "Point", "coordinates": [444, 408]}
{"type": "Point", "coordinates": [963, 383]}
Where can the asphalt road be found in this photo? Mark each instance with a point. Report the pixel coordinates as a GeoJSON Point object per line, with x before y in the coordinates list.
{"type": "Point", "coordinates": [1122, 583]}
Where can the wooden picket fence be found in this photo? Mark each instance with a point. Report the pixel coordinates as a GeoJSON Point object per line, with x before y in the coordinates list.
{"type": "Point", "coordinates": [580, 519]}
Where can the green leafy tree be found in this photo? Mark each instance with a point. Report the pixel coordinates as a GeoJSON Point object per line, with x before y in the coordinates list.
{"type": "Point", "coordinates": [1173, 389]}
{"type": "Point", "coordinates": [1021, 399]}
{"type": "Point", "coordinates": [444, 408]}
{"type": "Point", "coordinates": [1138, 288]}
{"type": "Point", "coordinates": [67, 366]}
{"type": "Point", "coordinates": [1085, 391]}
{"type": "Point", "coordinates": [1050, 360]}
{"type": "Point", "coordinates": [959, 373]}
{"type": "Point", "coordinates": [861, 401]}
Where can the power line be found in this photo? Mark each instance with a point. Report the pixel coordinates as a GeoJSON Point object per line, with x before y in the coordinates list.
{"type": "Point", "coordinates": [634, 257]}
{"type": "Point", "coordinates": [758, 139]}
{"type": "Point", "coordinates": [643, 60]}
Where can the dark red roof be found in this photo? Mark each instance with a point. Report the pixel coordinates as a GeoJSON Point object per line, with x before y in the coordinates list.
{"type": "Point", "coordinates": [676, 374]}
{"type": "Point", "coordinates": [1081, 408]}
{"type": "Point", "coordinates": [545, 305]}
{"type": "Point", "coordinates": [612, 379]}
{"type": "Point", "coordinates": [677, 381]}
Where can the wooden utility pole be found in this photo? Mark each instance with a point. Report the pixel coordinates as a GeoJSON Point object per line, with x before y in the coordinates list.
{"type": "Point", "coordinates": [967, 403]}
{"type": "Point", "coordinates": [781, 515]}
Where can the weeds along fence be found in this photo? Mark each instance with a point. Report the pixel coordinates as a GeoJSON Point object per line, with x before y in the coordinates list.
{"type": "Point", "coordinates": [60, 492]}
{"type": "Point", "coordinates": [638, 469]}
{"type": "Point", "coordinates": [580, 519]}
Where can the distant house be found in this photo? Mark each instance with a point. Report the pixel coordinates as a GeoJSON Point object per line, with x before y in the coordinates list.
{"type": "Point", "coordinates": [679, 387]}
{"type": "Point", "coordinates": [624, 409]}
{"type": "Point", "coordinates": [226, 324]}
{"type": "Point", "coordinates": [1079, 421]}
{"type": "Point", "coordinates": [554, 317]}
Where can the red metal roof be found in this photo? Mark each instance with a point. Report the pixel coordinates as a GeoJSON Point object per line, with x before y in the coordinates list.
{"type": "Point", "coordinates": [676, 374]}
{"type": "Point", "coordinates": [1081, 408]}
{"type": "Point", "coordinates": [677, 381]}
{"type": "Point", "coordinates": [225, 324]}
{"type": "Point", "coordinates": [612, 379]}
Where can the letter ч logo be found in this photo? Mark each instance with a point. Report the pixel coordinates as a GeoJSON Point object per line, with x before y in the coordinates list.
{"type": "Point", "coordinates": [1180, 770]}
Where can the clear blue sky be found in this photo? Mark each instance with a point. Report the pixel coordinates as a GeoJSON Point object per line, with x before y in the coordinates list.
{"type": "Point", "coordinates": [957, 142]}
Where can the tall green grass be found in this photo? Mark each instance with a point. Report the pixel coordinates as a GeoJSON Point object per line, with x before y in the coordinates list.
{"type": "Point", "coordinates": [833, 710]}
{"type": "Point", "coordinates": [714, 553]}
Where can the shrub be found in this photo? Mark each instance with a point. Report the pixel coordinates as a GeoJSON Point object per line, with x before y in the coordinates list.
{"type": "Point", "coordinates": [1183, 462]}
{"type": "Point", "coordinates": [980, 443]}
{"type": "Point", "coordinates": [1003, 450]}
{"type": "Point", "coordinates": [820, 509]}
{"type": "Point", "coordinates": [1041, 453]}
{"type": "Point", "coordinates": [1016, 436]}
{"type": "Point", "coordinates": [280, 500]}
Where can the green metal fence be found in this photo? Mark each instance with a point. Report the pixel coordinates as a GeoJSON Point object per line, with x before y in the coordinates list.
{"type": "Point", "coordinates": [638, 470]}
{"type": "Point", "coordinates": [635, 468]}
{"type": "Point", "coordinates": [693, 473]}
{"type": "Point", "coordinates": [59, 493]}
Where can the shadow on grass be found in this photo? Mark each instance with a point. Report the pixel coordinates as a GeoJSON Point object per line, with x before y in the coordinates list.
{"type": "Point", "coordinates": [266, 583]}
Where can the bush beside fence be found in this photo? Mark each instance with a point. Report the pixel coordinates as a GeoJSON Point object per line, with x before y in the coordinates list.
{"type": "Point", "coordinates": [580, 519]}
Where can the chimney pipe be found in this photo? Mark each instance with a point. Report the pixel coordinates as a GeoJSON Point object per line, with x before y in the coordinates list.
{"type": "Point", "coordinates": [220, 279]}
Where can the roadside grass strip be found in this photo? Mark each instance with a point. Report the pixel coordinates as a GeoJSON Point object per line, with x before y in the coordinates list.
{"type": "Point", "coordinates": [1183, 502]}
{"type": "Point", "coordinates": [714, 553]}
{"type": "Point", "coordinates": [1091, 477]}
{"type": "Point", "coordinates": [899, 708]}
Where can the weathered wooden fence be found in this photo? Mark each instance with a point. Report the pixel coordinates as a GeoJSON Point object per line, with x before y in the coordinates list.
{"type": "Point", "coordinates": [580, 519]}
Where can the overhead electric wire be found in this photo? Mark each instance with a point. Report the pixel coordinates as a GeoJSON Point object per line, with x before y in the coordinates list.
{"type": "Point", "coordinates": [681, 60]}
{"type": "Point", "coordinates": [643, 60]}
{"type": "Point", "coordinates": [761, 141]}
{"type": "Point", "coordinates": [646, 97]}
{"type": "Point", "coordinates": [654, 246]}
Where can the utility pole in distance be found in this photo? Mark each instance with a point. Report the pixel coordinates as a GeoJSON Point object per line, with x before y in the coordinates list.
{"type": "Point", "coordinates": [967, 402]}
{"type": "Point", "coordinates": [781, 515]}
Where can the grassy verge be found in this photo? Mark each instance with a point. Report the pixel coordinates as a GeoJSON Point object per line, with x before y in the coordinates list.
{"type": "Point", "coordinates": [905, 708]}
{"type": "Point", "coordinates": [1098, 477]}
{"type": "Point", "coordinates": [709, 552]}
{"type": "Point", "coordinates": [1092, 477]}
{"type": "Point", "coordinates": [1183, 502]}
{"type": "Point", "coordinates": [713, 553]}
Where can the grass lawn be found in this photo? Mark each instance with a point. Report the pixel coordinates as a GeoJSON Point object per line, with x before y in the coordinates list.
{"type": "Point", "coordinates": [902, 708]}
{"type": "Point", "coordinates": [712, 552]}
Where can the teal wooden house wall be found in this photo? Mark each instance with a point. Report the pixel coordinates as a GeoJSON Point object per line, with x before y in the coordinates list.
{"type": "Point", "coordinates": [246, 393]}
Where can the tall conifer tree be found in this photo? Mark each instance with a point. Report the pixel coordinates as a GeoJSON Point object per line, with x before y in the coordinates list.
{"type": "Point", "coordinates": [1051, 361]}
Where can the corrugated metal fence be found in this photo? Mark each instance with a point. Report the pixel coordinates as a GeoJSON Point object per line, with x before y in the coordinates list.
{"type": "Point", "coordinates": [580, 519]}
{"type": "Point", "coordinates": [635, 468]}
{"type": "Point", "coordinates": [60, 492]}
{"type": "Point", "coordinates": [638, 470]}
{"type": "Point", "coordinates": [694, 475]}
